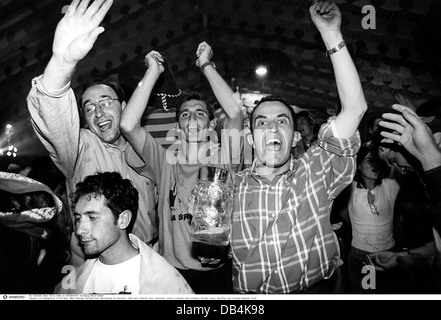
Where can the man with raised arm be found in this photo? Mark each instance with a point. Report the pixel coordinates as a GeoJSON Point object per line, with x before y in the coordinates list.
{"type": "Point", "coordinates": [176, 171]}
{"type": "Point", "coordinates": [79, 152]}
{"type": "Point", "coordinates": [281, 239]}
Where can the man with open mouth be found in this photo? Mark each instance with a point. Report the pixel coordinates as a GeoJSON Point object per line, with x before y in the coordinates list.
{"type": "Point", "coordinates": [175, 171]}
{"type": "Point", "coordinates": [282, 240]}
{"type": "Point", "coordinates": [98, 146]}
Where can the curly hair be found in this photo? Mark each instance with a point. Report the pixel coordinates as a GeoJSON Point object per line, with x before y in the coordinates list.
{"type": "Point", "coordinates": [120, 194]}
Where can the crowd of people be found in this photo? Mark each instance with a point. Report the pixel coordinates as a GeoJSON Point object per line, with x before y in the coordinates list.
{"type": "Point", "coordinates": [319, 209]}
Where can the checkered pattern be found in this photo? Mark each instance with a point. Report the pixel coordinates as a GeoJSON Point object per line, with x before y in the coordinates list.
{"type": "Point", "coordinates": [281, 236]}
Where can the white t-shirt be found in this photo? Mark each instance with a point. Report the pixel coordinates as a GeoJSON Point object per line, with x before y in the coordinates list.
{"type": "Point", "coordinates": [116, 278]}
{"type": "Point", "coordinates": [372, 232]}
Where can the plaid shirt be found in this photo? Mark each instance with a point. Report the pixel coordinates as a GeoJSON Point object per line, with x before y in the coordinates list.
{"type": "Point", "coordinates": [281, 236]}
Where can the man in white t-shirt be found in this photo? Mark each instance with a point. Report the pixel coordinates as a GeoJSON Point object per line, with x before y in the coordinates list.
{"type": "Point", "coordinates": [175, 170]}
{"type": "Point", "coordinates": [118, 262]}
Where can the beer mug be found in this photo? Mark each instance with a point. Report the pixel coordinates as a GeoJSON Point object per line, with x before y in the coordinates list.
{"type": "Point", "coordinates": [211, 204]}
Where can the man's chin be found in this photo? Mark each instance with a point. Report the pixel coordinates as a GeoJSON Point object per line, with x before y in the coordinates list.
{"type": "Point", "coordinates": [109, 138]}
{"type": "Point", "coordinates": [275, 162]}
{"type": "Point", "coordinates": [193, 138]}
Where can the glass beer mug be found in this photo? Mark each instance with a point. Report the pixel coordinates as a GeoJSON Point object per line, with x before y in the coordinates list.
{"type": "Point", "coordinates": [211, 204]}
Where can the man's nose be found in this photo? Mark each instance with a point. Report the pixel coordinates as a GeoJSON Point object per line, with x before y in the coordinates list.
{"type": "Point", "coordinates": [98, 111]}
{"type": "Point", "coordinates": [273, 126]}
{"type": "Point", "coordinates": [81, 228]}
{"type": "Point", "coordinates": [193, 117]}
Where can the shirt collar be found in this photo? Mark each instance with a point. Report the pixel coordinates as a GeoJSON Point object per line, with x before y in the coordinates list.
{"type": "Point", "coordinates": [292, 168]}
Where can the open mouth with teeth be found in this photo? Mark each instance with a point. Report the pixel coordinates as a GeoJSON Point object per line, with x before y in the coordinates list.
{"type": "Point", "coordinates": [103, 126]}
{"type": "Point", "coordinates": [274, 144]}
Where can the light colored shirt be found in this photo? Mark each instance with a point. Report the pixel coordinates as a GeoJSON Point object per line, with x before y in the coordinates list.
{"type": "Point", "coordinates": [78, 152]}
{"type": "Point", "coordinates": [114, 278]}
{"type": "Point", "coordinates": [372, 232]}
{"type": "Point", "coordinates": [175, 183]}
{"type": "Point", "coordinates": [281, 239]}
{"type": "Point", "coordinates": [156, 275]}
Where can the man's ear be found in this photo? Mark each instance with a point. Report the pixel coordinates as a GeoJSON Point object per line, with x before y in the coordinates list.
{"type": "Point", "coordinates": [250, 139]}
{"type": "Point", "coordinates": [123, 105]}
{"type": "Point", "coordinates": [124, 219]}
{"type": "Point", "coordinates": [297, 137]}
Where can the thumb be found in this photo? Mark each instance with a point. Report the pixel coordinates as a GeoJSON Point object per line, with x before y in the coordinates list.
{"type": "Point", "coordinates": [93, 35]}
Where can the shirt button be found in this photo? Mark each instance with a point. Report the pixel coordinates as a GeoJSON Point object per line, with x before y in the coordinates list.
{"type": "Point", "coordinates": [273, 215]}
{"type": "Point", "coordinates": [271, 242]}
{"type": "Point", "coordinates": [276, 271]}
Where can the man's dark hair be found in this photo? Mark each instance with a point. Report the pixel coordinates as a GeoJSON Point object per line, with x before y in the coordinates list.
{"type": "Point", "coordinates": [371, 120]}
{"type": "Point", "coordinates": [119, 193]}
{"type": "Point", "coordinates": [306, 115]}
{"type": "Point", "coordinates": [193, 95]}
{"type": "Point", "coordinates": [119, 91]}
{"type": "Point", "coordinates": [275, 99]}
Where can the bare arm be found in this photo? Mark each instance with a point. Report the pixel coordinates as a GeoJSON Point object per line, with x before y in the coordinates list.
{"type": "Point", "coordinates": [130, 122]}
{"type": "Point", "coordinates": [222, 91]}
{"type": "Point", "coordinates": [385, 260]}
{"type": "Point", "coordinates": [327, 18]}
{"type": "Point", "coordinates": [74, 37]}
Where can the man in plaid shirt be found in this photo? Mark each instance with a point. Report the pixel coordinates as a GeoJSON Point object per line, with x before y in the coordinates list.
{"type": "Point", "coordinates": [281, 238]}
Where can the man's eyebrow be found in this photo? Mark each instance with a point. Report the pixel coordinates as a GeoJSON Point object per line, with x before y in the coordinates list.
{"type": "Point", "coordinates": [101, 96]}
{"type": "Point", "coordinates": [260, 116]}
{"type": "Point", "coordinates": [281, 115]}
{"type": "Point", "coordinates": [199, 108]}
{"type": "Point", "coordinates": [86, 213]}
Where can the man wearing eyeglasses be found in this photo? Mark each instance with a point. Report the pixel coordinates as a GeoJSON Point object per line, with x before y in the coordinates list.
{"type": "Point", "coordinates": [79, 152]}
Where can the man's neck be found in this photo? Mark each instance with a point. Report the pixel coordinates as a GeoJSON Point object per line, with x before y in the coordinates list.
{"type": "Point", "coordinates": [119, 143]}
{"type": "Point", "coordinates": [307, 139]}
{"type": "Point", "coordinates": [194, 151]}
{"type": "Point", "coordinates": [270, 172]}
{"type": "Point", "coordinates": [120, 251]}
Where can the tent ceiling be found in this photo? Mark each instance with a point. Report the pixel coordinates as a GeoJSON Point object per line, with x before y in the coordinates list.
{"type": "Point", "coordinates": [400, 56]}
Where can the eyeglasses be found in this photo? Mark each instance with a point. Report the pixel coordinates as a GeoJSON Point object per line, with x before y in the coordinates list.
{"type": "Point", "coordinates": [104, 103]}
{"type": "Point", "coordinates": [371, 200]}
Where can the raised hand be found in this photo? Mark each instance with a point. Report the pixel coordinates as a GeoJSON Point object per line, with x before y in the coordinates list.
{"type": "Point", "coordinates": [204, 53]}
{"type": "Point", "coordinates": [154, 62]}
{"type": "Point", "coordinates": [326, 16]}
{"type": "Point", "coordinates": [78, 30]}
{"type": "Point", "coordinates": [412, 133]}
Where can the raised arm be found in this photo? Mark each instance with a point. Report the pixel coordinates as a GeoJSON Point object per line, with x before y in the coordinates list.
{"type": "Point", "coordinates": [326, 16]}
{"type": "Point", "coordinates": [74, 37]}
{"type": "Point", "coordinates": [222, 91]}
{"type": "Point", "coordinates": [130, 122]}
